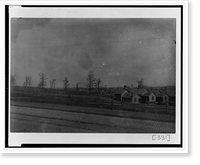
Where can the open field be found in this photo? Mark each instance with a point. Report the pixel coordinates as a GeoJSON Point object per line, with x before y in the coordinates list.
{"type": "Point", "coordinates": [83, 120]}
{"type": "Point", "coordinates": [83, 99]}
{"type": "Point", "coordinates": [33, 110]}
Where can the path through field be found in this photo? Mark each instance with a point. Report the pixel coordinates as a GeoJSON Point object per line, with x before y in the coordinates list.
{"type": "Point", "coordinates": [69, 119]}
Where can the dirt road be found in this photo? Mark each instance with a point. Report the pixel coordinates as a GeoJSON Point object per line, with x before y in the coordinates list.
{"type": "Point", "coordinates": [81, 120]}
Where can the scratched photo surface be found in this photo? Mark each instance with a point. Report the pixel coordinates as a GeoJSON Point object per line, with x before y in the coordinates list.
{"type": "Point", "coordinates": [93, 75]}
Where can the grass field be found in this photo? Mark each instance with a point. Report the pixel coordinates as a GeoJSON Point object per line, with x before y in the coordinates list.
{"type": "Point", "coordinates": [71, 119]}
{"type": "Point", "coordinates": [33, 110]}
{"type": "Point", "coordinates": [74, 98]}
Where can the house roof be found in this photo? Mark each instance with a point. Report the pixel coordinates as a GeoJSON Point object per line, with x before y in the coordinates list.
{"type": "Point", "coordinates": [133, 95]}
{"type": "Point", "coordinates": [138, 91]}
{"type": "Point", "coordinates": [149, 93]}
{"type": "Point", "coordinates": [162, 91]}
{"type": "Point", "coordinates": [119, 91]}
{"type": "Point", "coordinates": [171, 93]}
{"type": "Point", "coordinates": [146, 94]}
{"type": "Point", "coordinates": [168, 93]}
{"type": "Point", "coordinates": [154, 91]}
{"type": "Point", "coordinates": [161, 94]}
{"type": "Point", "coordinates": [127, 95]}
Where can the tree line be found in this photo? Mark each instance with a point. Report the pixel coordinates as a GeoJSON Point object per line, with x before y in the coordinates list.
{"type": "Point", "coordinates": [91, 82]}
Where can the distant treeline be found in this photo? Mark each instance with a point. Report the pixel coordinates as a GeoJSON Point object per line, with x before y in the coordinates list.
{"type": "Point", "coordinates": [93, 84]}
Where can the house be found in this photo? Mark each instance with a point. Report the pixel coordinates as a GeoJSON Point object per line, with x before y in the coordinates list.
{"type": "Point", "coordinates": [148, 97]}
{"type": "Point", "coordinates": [119, 93]}
{"type": "Point", "coordinates": [162, 98]}
{"type": "Point", "coordinates": [135, 98]}
{"type": "Point", "coordinates": [172, 98]}
{"type": "Point", "coordinates": [127, 97]}
{"type": "Point", "coordinates": [137, 94]}
{"type": "Point", "coordinates": [166, 97]}
{"type": "Point", "coordinates": [131, 97]}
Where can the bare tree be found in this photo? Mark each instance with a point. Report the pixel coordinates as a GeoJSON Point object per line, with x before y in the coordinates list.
{"type": "Point", "coordinates": [98, 84]}
{"type": "Point", "coordinates": [28, 81]}
{"type": "Point", "coordinates": [65, 83]}
{"type": "Point", "coordinates": [12, 80]}
{"type": "Point", "coordinates": [77, 85]}
{"type": "Point", "coordinates": [140, 83]}
{"type": "Point", "coordinates": [53, 83]}
{"type": "Point", "coordinates": [42, 82]}
{"type": "Point", "coordinates": [90, 81]}
{"type": "Point", "coordinates": [50, 83]}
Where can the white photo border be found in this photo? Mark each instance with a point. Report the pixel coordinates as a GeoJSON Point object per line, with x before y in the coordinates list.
{"type": "Point", "coordinates": [103, 145]}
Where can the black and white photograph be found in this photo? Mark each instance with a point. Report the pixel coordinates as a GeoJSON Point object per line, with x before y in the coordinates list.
{"type": "Point", "coordinates": [89, 75]}
{"type": "Point", "coordinates": [93, 75]}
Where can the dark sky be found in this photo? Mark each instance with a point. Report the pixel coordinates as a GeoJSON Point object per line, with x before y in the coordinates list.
{"type": "Point", "coordinates": [119, 51]}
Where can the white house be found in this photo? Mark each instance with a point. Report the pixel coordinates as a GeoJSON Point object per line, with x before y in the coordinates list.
{"type": "Point", "coordinates": [162, 98]}
{"type": "Point", "coordinates": [131, 97]}
{"type": "Point", "coordinates": [149, 97]}
{"type": "Point", "coordinates": [127, 97]}
{"type": "Point", "coordinates": [152, 98]}
{"type": "Point", "coordinates": [119, 93]}
{"type": "Point", "coordinates": [135, 99]}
